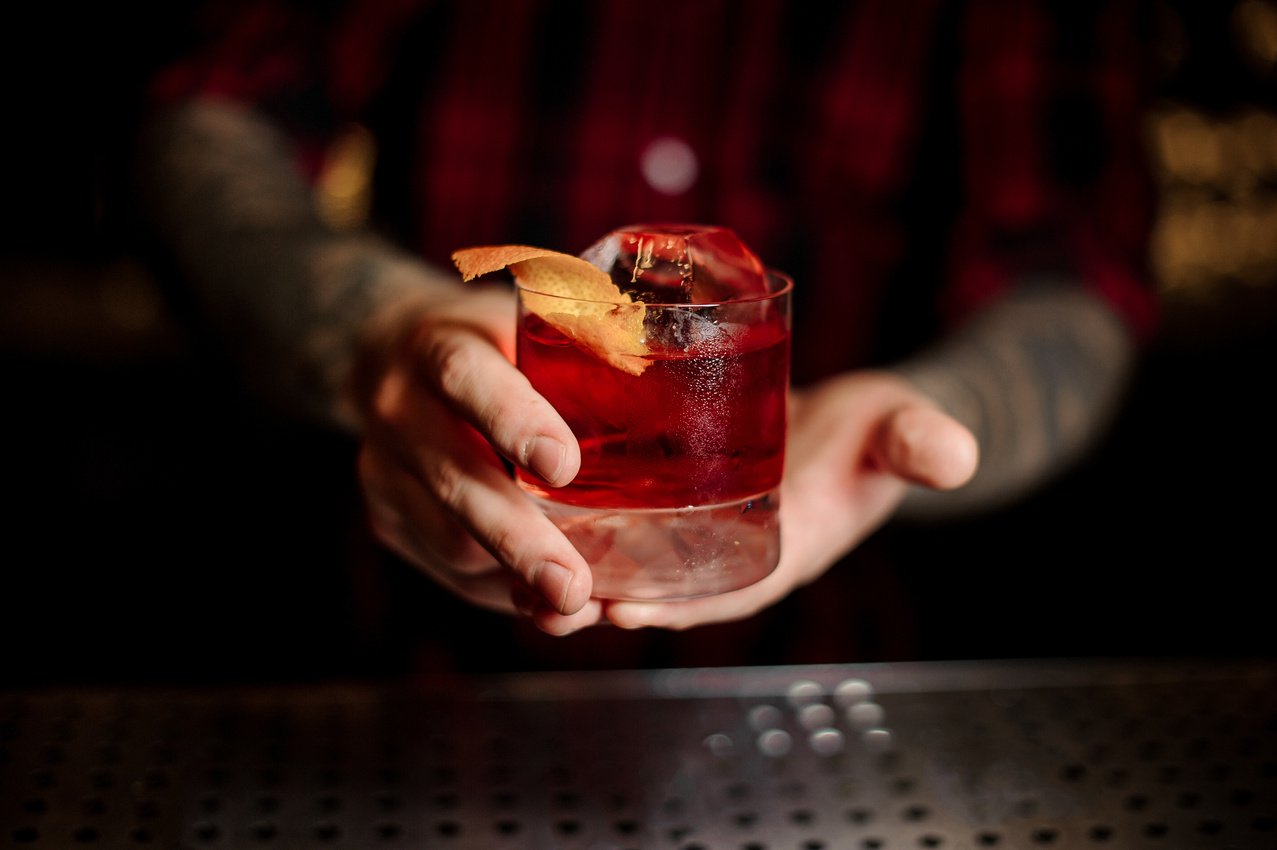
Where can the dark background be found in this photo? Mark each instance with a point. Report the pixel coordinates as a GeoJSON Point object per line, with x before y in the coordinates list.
{"type": "Point", "coordinates": [162, 525]}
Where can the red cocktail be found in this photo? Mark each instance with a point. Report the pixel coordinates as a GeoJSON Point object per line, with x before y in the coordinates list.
{"type": "Point", "coordinates": [681, 427]}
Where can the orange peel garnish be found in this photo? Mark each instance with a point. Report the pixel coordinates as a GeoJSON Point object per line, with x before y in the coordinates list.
{"type": "Point", "coordinates": [599, 317]}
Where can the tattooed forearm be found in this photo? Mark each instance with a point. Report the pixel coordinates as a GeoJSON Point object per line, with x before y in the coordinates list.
{"type": "Point", "coordinates": [291, 296]}
{"type": "Point", "coordinates": [1037, 378]}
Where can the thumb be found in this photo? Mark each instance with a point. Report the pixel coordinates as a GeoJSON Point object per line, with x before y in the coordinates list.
{"type": "Point", "coordinates": [926, 446]}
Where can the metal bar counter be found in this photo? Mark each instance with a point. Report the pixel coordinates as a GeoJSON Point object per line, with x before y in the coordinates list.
{"type": "Point", "coordinates": [928, 755]}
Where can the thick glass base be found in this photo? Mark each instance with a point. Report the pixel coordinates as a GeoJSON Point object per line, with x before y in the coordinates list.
{"type": "Point", "coordinates": [674, 553]}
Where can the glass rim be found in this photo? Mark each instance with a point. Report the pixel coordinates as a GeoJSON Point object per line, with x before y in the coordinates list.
{"type": "Point", "coordinates": [787, 286]}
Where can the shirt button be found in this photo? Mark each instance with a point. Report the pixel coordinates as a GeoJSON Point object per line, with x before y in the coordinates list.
{"type": "Point", "coordinates": [669, 165]}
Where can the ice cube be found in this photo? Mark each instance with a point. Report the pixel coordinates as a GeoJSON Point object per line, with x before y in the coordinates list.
{"type": "Point", "coordinates": [679, 263]}
{"type": "Point", "coordinates": [679, 329]}
{"type": "Point", "coordinates": [684, 329]}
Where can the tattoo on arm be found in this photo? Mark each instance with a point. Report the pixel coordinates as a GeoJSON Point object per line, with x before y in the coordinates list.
{"type": "Point", "coordinates": [1037, 379]}
{"type": "Point", "coordinates": [290, 295]}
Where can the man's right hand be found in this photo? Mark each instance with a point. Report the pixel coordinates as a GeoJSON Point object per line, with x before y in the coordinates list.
{"type": "Point", "coordinates": [443, 404]}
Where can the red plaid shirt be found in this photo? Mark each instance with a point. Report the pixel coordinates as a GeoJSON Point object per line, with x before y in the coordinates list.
{"type": "Point", "coordinates": [905, 162]}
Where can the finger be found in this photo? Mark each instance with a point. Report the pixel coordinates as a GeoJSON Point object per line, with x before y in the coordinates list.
{"type": "Point", "coordinates": [400, 518]}
{"type": "Point", "coordinates": [684, 614]}
{"type": "Point", "coordinates": [489, 590]}
{"type": "Point", "coordinates": [406, 518]}
{"type": "Point", "coordinates": [461, 474]}
{"type": "Point", "coordinates": [926, 446]}
{"type": "Point", "coordinates": [550, 621]}
{"type": "Point", "coordinates": [475, 490]}
{"type": "Point", "coordinates": [678, 616]}
{"type": "Point", "coordinates": [473, 527]}
{"type": "Point", "coordinates": [481, 386]}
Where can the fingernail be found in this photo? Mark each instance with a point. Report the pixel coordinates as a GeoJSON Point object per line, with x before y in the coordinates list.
{"type": "Point", "coordinates": [546, 456]}
{"type": "Point", "coordinates": [553, 582]}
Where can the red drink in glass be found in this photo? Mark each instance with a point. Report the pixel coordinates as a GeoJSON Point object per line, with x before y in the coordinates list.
{"type": "Point", "coordinates": [680, 459]}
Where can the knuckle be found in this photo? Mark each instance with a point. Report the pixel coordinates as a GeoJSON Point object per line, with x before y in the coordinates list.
{"type": "Point", "coordinates": [491, 418]}
{"type": "Point", "coordinates": [454, 365]}
{"type": "Point", "coordinates": [493, 398]}
{"type": "Point", "coordinates": [388, 399]}
{"type": "Point", "coordinates": [447, 481]}
{"type": "Point", "coordinates": [503, 543]}
{"type": "Point", "coordinates": [904, 450]}
{"type": "Point", "coordinates": [384, 405]}
{"type": "Point", "coordinates": [450, 545]}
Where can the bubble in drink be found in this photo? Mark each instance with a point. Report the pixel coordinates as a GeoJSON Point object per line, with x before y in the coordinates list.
{"type": "Point", "coordinates": [679, 264]}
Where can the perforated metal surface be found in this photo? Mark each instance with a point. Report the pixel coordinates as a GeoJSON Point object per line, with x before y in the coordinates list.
{"type": "Point", "coordinates": [905, 756]}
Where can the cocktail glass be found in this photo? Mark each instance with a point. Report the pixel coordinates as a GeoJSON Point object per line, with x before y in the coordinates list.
{"type": "Point", "coordinates": [682, 447]}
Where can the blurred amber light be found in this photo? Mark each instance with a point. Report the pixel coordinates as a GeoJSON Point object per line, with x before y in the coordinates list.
{"type": "Point", "coordinates": [1186, 146]}
{"type": "Point", "coordinates": [1217, 222]}
{"type": "Point", "coordinates": [343, 192]}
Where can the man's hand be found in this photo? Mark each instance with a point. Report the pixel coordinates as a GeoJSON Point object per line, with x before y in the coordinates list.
{"type": "Point", "coordinates": [855, 444]}
{"type": "Point", "coordinates": [444, 405]}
